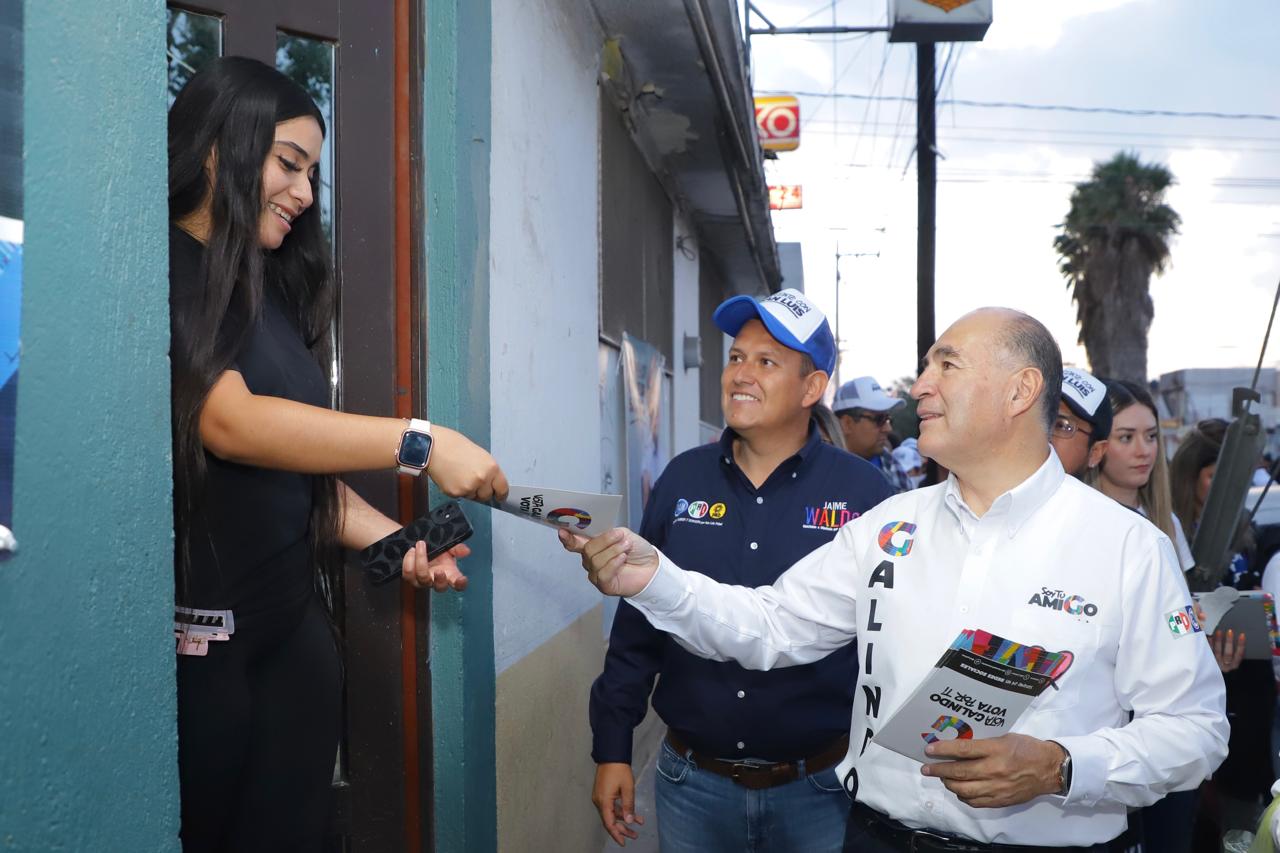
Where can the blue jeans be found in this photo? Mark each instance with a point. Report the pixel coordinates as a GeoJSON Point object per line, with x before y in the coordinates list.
{"type": "Point", "coordinates": [700, 812]}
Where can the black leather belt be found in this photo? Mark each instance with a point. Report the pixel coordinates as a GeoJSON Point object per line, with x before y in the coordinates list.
{"type": "Point", "coordinates": [758, 777]}
{"type": "Point", "coordinates": [903, 838]}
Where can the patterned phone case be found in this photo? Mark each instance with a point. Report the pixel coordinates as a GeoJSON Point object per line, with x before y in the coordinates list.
{"type": "Point", "coordinates": [442, 528]}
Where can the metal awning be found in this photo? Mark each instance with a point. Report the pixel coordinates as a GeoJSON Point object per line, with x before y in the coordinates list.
{"type": "Point", "coordinates": [677, 70]}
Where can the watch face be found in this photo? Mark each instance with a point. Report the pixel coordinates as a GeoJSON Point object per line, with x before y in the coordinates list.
{"type": "Point", "coordinates": [415, 447]}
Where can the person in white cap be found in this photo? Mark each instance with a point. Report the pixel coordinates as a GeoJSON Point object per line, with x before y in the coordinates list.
{"type": "Point", "coordinates": [910, 461]}
{"type": "Point", "coordinates": [864, 410]}
{"type": "Point", "coordinates": [1079, 435]}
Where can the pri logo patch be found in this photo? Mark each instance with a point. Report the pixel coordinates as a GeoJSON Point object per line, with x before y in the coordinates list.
{"type": "Point", "coordinates": [890, 531]}
{"type": "Point", "coordinates": [1183, 622]}
{"type": "Point", "coordinates": [704, 513]}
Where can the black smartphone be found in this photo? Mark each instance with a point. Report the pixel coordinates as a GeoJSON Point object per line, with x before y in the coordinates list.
{"type": "Point", "coordinates": [442, 528]}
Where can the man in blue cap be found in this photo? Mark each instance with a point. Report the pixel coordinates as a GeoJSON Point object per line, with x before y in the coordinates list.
{"type": "Point", "coordinates": [747, 760]}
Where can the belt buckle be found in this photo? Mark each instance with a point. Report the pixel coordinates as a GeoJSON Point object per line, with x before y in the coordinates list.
{"type": "Point", "coordinates": [926, 835]}
{"type": "Point", "coordinates": [739, 768]}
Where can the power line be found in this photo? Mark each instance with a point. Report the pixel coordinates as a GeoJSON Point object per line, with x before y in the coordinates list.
{"type": "Point", "coordinates": [1089, 132]}
{"type": "Point", "coordinates": [1056, 141]}
{"type": "Point", "coordinates": [1015, 105]}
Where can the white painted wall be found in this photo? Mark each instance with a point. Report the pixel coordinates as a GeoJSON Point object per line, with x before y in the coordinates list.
{"type": "Point", "coordinates": [544, 310]}
{"type": "Point", "coordinates": [684, 403]}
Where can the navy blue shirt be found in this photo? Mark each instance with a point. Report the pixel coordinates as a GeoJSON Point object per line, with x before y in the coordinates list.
{"type": "Point", "coordinates": [706, 516]}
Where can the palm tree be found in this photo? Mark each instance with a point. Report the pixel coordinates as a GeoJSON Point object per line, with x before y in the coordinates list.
{"type": "Point", "coordinates": [1116, 235]}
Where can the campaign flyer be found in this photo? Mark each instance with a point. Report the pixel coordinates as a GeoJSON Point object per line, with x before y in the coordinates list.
{"type": "Point", "coordinates": [584, 513]}
{"type": "Point", "coordinates": [978, 688]}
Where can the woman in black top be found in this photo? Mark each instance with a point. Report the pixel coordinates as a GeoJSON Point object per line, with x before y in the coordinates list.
{"type": "Point", "coordinates": [261, 516]}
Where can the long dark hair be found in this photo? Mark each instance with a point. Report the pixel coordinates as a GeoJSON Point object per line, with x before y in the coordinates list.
{"type": "Point", "coordinates": [1155, 497]}
{"type": "Point", "coordinates": [1198, 450]}
{"type": "Point", "coordinates": [224, 121]}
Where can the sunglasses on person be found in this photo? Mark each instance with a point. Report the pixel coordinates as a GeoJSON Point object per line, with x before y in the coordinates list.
{"type": "Point", "coordinates": [879, 419]}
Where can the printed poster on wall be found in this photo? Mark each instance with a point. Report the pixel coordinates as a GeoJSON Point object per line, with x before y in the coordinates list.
{"type": "Point", "coordinates": [648, 416]}
{"type": "Point", "coordinates": [10, 307]}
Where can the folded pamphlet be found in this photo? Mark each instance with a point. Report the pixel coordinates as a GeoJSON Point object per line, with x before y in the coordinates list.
{"type": "Point", "coordinates": [584, 513]}
{"type": "Point", "coordinates": [978, 688]}
{"type": "Point", "coordinates": [1252, 613]}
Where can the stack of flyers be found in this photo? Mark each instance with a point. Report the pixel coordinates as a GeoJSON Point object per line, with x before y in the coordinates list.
{"type": "Point", "coordinates": [978, 688]}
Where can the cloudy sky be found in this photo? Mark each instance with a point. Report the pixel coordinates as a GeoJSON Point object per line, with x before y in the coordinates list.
{"type": "Point", "coordinates": [1008, 173]}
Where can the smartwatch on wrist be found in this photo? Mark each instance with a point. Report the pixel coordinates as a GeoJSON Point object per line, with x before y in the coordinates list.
{"type": "Point", "coordinates": [414, 451]}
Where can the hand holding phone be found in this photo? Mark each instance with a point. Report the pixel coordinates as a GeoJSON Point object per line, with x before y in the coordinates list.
{"type": "Point", "coordinates": [442, 528]}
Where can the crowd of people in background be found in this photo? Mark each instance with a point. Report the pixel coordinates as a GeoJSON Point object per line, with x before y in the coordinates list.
{"type": "Point", "coordinates": [1108, 434]}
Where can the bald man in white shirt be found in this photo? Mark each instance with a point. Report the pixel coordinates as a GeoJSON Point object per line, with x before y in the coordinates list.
{"type": "Point", "coordinates": [1009, 544]}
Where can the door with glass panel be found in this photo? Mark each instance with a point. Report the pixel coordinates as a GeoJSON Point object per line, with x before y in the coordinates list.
{"type": "Point", "coordinates": [345, 54]}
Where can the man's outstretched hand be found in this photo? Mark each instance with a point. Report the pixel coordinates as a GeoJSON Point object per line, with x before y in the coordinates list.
{"type": "Point", "coordinates": [618, 562]}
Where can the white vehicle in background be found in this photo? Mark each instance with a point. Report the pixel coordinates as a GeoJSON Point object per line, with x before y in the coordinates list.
{"type": "Point", "coordinates": [1269, 513]}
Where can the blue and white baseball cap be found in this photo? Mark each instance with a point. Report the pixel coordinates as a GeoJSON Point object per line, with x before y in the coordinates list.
{"type": "Point", "coordinates": [790, 317]}
{"type": "Point", "coordinates": [1086, 396]}
{"type": "Point", "coordinates": [864, 393]}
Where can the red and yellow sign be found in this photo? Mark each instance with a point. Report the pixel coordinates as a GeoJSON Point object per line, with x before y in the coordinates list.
{"type": "Point", "coordinates": [947, 5]}
{"type": "Point", "coordinates": [778, 123]}
{"type": "Point", "coordinates": [786, 196]}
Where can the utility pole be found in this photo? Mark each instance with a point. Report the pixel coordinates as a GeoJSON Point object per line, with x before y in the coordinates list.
{"type": "Point", "coordinates": [926, 196]}
{"type": "Point", "coordinates": [839, 348]}
{"type": "Point", "coordinates": [924, 26]}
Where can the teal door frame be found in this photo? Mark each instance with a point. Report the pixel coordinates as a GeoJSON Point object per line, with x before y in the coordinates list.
{"type": "Point", "coordinates": [456, 127]}
{"type": "Point", "coordinates": [86, 650]}
{"type": "Point", "coordinates": [88, 706]}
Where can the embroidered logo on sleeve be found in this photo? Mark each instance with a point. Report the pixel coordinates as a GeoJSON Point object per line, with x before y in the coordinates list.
{"type": "Point", "coordinates": [1183, 622]}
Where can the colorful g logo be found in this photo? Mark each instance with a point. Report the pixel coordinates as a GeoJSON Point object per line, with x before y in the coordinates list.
{"type": "Point", "coordinates": [891, 530]}
{"type": "Point", "coordinates": [570, 517]}
{"type": "Point", "coordinates": [717, 510]}
{"type": "Point", "coordinates": [963, 730]}
{"type": "Point", "coordinates": [697, 509]}
{"type": "Point", "coordinates": [681, 506]}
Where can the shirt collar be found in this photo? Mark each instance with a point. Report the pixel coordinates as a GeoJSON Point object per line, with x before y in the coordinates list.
{"type": "Point", "coordinates": [811, 442]}
{"type": "Point", "coordinates": [1019, 503]}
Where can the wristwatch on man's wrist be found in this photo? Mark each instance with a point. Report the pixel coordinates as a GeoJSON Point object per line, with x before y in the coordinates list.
{"type": "Point", "coordinates": [1064, 771]}
{"type": "Point", "coordinates": [414, 452]}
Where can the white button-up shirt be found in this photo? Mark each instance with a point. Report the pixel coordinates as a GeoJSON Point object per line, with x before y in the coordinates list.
{"type": "Point", "coordinates": [1052, 563]}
